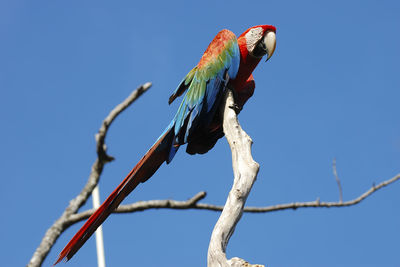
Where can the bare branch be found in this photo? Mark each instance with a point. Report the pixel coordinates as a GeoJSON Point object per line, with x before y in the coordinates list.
{"type": "Point", "coordinates": [144, 205]}
{"type": "Point", "coordinates": [101, 135]}
{"type": "Point", "coordinates": [60, 225]}
{"type": "Point", "coordinates": [192, 203]}
{"type": "Point", "coordinates": [245, 172]}
{"type": "Point", "coordinates": [318, 204]}
{"type": "Point", "coordinates": [337, 180]}
{"type": "Point", "coordinates": [310, 204]}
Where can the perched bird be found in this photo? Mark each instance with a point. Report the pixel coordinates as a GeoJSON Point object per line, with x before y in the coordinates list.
{"type": "Point", "coordinates": [228, 62]}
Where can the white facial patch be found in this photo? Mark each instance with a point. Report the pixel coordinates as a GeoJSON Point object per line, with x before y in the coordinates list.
{"type": "Point", "coordinates": [252, 37]}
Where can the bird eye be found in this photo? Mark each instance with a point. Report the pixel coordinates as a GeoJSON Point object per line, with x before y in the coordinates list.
{"type": "Point", "coordinates": [260, 50]}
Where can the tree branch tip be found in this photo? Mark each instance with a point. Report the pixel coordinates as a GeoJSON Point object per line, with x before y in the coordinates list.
{"type": "Point", "coordinates": [147, 85]}
{"type": "Point", "coordinates": [199, 196]}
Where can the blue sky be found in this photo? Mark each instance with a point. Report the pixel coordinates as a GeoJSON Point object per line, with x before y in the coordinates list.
{"type": "Point", "coordinates": [330, 91]}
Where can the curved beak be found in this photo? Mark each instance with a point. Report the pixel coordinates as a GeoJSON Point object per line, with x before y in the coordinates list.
{"type": "Point", "coordinates": [270, 43]}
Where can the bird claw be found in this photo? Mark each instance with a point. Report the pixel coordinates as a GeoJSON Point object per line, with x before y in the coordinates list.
{"type": "Point", "coordinates": [236, 108]}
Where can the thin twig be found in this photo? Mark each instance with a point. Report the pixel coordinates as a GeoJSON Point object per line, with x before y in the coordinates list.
{"type": "Point", "coordinates": [337, 180]}
{"type": "Point", "coordinates": [60, 225]}
{"type": "Point", "coordinates": [101, 135]}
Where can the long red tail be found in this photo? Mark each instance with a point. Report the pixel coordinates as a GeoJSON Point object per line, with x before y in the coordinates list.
{"type": "Point", "coordinates": [143, 170]}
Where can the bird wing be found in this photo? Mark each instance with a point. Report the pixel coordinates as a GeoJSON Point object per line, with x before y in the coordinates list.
{"type": "Point", "coordinates": [204, 86]}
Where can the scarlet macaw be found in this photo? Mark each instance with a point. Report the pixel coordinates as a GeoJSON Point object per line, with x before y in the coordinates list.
{"type": "Point", "coordinates": [228, 62]}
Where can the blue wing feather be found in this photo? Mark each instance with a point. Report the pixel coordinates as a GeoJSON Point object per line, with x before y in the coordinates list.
{"type": "Point", "coordinates": [204, 86]}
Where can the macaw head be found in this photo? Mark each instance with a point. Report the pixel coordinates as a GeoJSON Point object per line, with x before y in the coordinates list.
{"type": "Point", "coordinates": [259, 40]}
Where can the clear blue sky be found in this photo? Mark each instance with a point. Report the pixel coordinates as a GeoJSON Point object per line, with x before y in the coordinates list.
{"type": "Point", "coordinates": [332, 89]}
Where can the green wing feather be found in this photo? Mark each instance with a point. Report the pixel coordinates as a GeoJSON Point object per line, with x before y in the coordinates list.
{"type": "Point", "coordinates": [204, 85]}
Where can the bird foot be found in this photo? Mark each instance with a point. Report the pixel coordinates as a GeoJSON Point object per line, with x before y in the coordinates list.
{"type": "Point", "coordinates": [236, 108]}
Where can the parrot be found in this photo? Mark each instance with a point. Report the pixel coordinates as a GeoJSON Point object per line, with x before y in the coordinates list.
{"type": "Point", "coordinates": [227, 64]}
